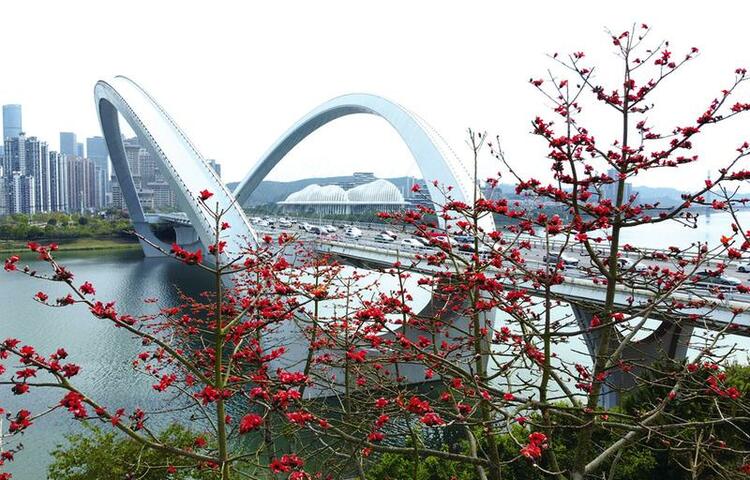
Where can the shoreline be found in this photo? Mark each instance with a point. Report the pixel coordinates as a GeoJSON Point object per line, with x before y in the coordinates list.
{"type": "Point", "coordinates": [77, 245]}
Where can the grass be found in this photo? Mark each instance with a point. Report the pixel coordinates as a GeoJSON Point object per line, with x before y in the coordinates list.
{"type": "Point", "coordinates": [78, 244]}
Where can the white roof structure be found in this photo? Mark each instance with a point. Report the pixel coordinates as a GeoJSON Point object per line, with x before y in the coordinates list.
{"type": "Point", "coordinates": [379, 192]}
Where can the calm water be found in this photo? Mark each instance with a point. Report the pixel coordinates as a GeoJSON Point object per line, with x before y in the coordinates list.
{"type": "Point", "coordinates": [105, 352]}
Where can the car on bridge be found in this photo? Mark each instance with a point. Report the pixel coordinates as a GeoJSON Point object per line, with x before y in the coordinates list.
{"type": "Point", "coordinates": [443, 241]}
{"type": "Point", "coordinates": [383, 238]}
{"type": "Point", "coordinates": [464, 238]}
{"type": "Point", "coordinates": [413, 243]}
{"type": "Point", "coordinates": [469, 247]}
{"type": "Point", "coordinates": [424, 241]}
{"type": "Point", "coordinates": [744, 267]}
{"type": "Point", "coordinates": [329, 228]}
{"type": "Point", "coordinates": [626, 264]}
{"type": "Point", "coordinates": [708, 280]}
{"type": "Point", "coordinates": [391, 234]}
{"type": "Point", "coordinates": [353, 232]}
{"type": "Point", "coordinates": [555, 257]}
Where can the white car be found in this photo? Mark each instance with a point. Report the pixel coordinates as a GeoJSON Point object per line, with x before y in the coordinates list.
{"type": "Point", "coordinates": [443, 241]}
{"type": "Point", "coordinates": [330, 228]}
{"type": "Point", "coordinates": [412, 242]}
{"type": "Point", "coordinates": [353, 232]}
{"type": "Point", "coordinates": [424, 241]}
{"type": "Point", "coordinates": [383, 238]}
{"type": "Point", "coordinates": [627, 264]}
{"type": "Point", "coordinates": [389, 233]}
{"type": "Point", "coordinates": [555, 257]}
{"type": "Point", "coordinates": [744, 267]}
{"type": "Point", "coordinates": [710, 280]}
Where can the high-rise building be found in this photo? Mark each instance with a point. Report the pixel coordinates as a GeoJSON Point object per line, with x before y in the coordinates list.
{"type": "Point", "coordinates": [18, 179]}
{"type": "Point", "coordinates": [3, 195]}
{"type": "Point", "coordinates": [37, 166]}
{"type": "Point", "coordinates": [609, 191]}
{"type": "Point", "coordinates": [21, 194]}
{"type": "Point", "coordinates": [58, 179]}
{"type": "Point", "coordinates": [96, 150]}
{"type": "Point", "coordinates": [12, 125]}
{"type": "Point", "coordinates": [82, 193]}
{"type": "Point", "coordinates": [14, 158]}
{"type": "Point", "coordinates": [150, 184]}
{"type": "Point", "coordinates": [79, 150]}
{"type": "Point", "coordinates": [215, 165]}
{"type": "Point", "coordinates": [26, 166]}
{"type": "Point", "coordinates": [68, 144]}
{"type": "Point", "coordinates": [117, 200]}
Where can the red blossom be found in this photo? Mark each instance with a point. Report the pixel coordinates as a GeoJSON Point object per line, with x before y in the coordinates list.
{"type": "Point", "coordinates": [537, 443]}
{"type": "Point", "coordinates": [250, 422]}
{"type": "Point", "coordinates": [205, 195]}
{"type": "Point", "coordinates": [87, 289]}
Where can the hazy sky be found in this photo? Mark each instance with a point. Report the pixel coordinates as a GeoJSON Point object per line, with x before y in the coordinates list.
{"type": "Point", "coordinates": [235, 75]}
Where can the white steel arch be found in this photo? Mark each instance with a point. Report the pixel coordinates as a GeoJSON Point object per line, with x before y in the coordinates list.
{"type": "Point", "coordinates": [185, 168]}
{"type": "Point", "coordinates": [433, 156]}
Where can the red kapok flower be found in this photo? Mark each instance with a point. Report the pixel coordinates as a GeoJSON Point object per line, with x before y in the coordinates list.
{"type": "Point", "coordinates": [88, 289]}
{"type": "Point", "coordinates": [250, 422]}
{"type": "Point", "coordinates": [205, 195]}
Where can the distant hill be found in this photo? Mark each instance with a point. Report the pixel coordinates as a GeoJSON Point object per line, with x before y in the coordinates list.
{"type": "Point", "coordinates": [270, 191]}
{"type": "Point", "coordinates": [665, 196]}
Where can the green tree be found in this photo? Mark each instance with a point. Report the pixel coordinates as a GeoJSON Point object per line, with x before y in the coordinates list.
{"type": "Point", "coordinates": [96, 454]}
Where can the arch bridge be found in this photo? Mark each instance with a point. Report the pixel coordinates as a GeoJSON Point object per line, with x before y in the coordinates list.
{"type": "Point", "coordinates": [187, 172]}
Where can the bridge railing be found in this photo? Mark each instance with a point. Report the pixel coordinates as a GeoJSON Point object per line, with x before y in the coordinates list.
{"type": "Point", "coordinates": [731, 301]}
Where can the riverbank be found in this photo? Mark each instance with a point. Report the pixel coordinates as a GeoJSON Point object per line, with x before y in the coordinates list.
{"type": "Point", "coordinates": [73, 245]}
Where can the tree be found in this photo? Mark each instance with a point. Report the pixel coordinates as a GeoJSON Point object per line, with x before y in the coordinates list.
{"type": "Point", "coordinates": [496, 398]}
{"type": "Point", "coordinates": [97, 454]}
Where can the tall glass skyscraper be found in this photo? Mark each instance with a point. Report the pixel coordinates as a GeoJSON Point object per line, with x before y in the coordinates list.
{"type": "Point", "coordinates": [68, 144]}
{"type": "Point", "coordinates": [12, 126]}
{"type": "Point", "coordinates": [96, 151]}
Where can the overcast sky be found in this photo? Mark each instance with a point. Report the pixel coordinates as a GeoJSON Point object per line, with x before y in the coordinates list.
{"type": "Point", "coordinates": [236, 75]}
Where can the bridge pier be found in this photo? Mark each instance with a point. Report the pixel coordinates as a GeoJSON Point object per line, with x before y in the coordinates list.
{"type": "Point", "coordinates": [143, 229]}
{"type": "Point", "coordinates": [440, 322]}
{"type": "Point", "coordinates": [670, 340]}
{"type": "Point", "coordinates": [185, 235]}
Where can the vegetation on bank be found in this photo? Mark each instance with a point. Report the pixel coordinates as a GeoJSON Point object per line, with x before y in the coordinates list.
{"type": "Point", "coordinates": [98, 451]}
{"type": "Point", "coordinates": [63, 226]}
{"type": "Point", "coordinates": [76, 245]}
